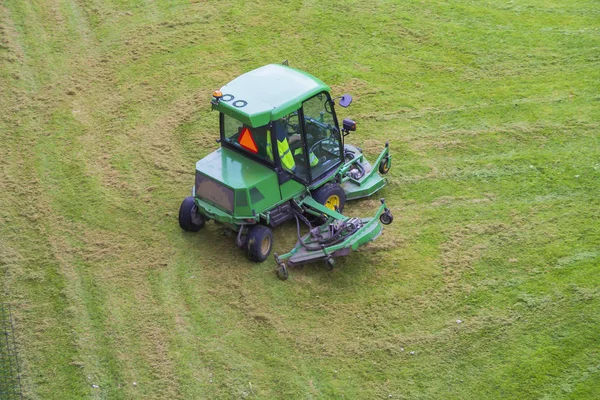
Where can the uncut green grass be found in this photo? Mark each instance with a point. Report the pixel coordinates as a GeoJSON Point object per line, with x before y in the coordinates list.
{"type": "Point", "coordinates": [491, 110]}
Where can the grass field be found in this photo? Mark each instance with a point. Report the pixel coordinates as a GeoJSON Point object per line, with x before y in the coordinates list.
{"type": "Point", "coordinates": [492, 111]}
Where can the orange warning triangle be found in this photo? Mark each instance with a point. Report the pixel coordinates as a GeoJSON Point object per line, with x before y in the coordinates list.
{"type": "Point", "coordinates": [247, 141]}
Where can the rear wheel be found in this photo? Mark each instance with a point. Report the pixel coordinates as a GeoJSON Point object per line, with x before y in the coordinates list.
{"type": "Point", "coordinates": [259, 243]}
{"type": "Point", "coordinates": [190, 219]}
{"type": "Point", "coordinates": [331, 195]}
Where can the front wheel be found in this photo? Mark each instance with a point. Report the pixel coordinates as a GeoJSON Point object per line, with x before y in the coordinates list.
{"type": "Point", "coordinates": [259, 243]}
{"type": "Point", "coordinates": [190, 219]}
{"type": "Point", "coordinates": [332, 196]}
{"type": "Point", "coordinates": [385, 165]}
{"type": "Point", "coordinates": [386, 217]}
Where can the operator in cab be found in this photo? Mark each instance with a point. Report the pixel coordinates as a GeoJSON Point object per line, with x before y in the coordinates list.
{"type": "Point", "coordinates": [287, 139]}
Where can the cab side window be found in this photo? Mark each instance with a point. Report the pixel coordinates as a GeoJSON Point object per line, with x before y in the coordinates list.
{"type": "Point", "coordinates": [290, 145]}
{"type": "Point", "coordinates": [254, 141]}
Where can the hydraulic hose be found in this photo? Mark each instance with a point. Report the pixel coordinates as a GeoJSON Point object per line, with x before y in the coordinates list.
{"type": "Point", "coordinates": [330, 241]}
{"type": "Point", "coordinates": [350, 155]}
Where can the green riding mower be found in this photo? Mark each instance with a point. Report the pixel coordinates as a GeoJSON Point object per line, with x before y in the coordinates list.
{"type": "Point", "coordinates": [283, 157]}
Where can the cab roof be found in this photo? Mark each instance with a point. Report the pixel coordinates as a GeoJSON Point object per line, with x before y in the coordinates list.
{"type": "Point", "coordinates": [267, 94]}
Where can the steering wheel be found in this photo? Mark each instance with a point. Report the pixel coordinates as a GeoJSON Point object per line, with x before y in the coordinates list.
{"type": "Point", "coordinates": [317, 143]}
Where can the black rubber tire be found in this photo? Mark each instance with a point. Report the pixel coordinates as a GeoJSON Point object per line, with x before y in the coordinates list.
{"type": "Point", "coordinates": [259, 243]}
{"type": "Point", "coordinates": [185, 216]}
{"type": "Point", "coordinates": [322, 194]}
{"type": "Point", "coordinates": [386, 217]}
{"type": "Point", "coordinates": [384, 166]}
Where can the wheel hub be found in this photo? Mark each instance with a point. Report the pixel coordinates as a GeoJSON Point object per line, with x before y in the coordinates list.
{"type": "Point", "coordinates": [333, 202]}
{"type": "Point", "coordinates": [265, 245]}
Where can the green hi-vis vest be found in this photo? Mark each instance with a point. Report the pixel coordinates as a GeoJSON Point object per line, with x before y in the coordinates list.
{"type": "Point", "coordinates": [285, 154]}
{"type": "Point", "coordinates": [311, 157]}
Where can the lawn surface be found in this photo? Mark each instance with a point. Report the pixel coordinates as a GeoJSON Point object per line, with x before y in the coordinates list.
{"type": "Point", "coordinates": [492, 111]}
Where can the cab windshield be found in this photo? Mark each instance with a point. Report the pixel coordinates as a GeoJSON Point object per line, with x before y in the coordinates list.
{"type": "Point", "coordinates": [322, 135]}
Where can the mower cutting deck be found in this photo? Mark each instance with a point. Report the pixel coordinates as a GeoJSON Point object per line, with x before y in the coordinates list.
{"type": "Point", "coordinates": [335, 238]}
{"type": "Point", "coordinates": [282, 158]}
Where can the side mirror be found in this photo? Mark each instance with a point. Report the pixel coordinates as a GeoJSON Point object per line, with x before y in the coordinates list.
{"type": "Point", "coordinates": [345, 100]}
{"type": "Point", "coordinates": [348, 126]}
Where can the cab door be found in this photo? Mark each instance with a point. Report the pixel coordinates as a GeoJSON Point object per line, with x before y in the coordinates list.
{"type": "Point", "coordinates": [289, 145]}
{"type": "Point", "coordinates": [322, 136]}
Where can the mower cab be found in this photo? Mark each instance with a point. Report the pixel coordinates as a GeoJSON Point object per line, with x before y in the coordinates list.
{"type": "Point", "coordinates": [283, 157]}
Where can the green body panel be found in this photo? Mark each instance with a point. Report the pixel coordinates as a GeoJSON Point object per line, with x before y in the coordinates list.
{"type": "Point", "coordinates": [235, 170]}
{"type": "Point", "coordinates": [267, 94]}
{"type": "Point", "coordinates": [291, 189]}
{"type": "Point", "coordinates": [255, 186]}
